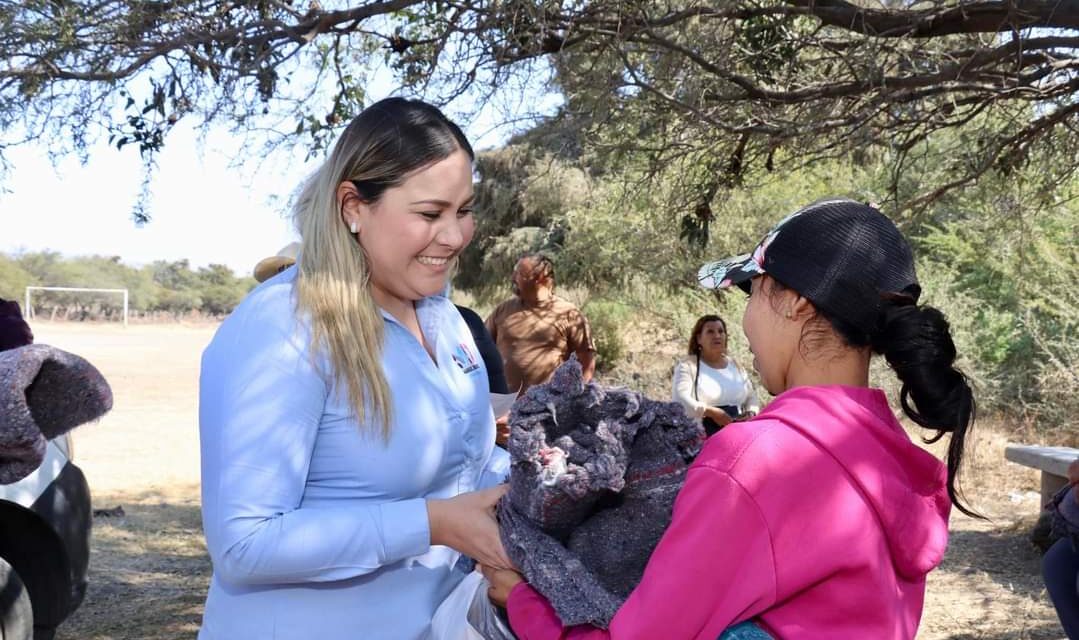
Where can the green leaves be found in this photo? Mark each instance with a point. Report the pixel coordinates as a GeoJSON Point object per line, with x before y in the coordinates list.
{"type": "Point", "coordinates": [161, 286]}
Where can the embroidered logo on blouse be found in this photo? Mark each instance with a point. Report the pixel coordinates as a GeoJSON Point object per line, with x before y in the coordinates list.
{"type": "Point", "coordinates": [464, 358]}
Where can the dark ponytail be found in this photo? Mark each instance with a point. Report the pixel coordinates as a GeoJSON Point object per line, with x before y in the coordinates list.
{"type": "Point", "coordinates": [917, 343]}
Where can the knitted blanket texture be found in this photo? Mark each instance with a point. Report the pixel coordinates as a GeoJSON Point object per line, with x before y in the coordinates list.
{"type": "Point", "coordinates": [44, 393]}
{"type": "Point", "coordinates": [594, 475]}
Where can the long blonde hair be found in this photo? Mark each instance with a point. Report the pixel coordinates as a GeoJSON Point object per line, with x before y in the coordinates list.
{"type": "Point", "coordinates": [378, 149]}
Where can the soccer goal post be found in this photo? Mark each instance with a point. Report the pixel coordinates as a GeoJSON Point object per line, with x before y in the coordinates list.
{"type": "Point", "coordinates": [29, 310]}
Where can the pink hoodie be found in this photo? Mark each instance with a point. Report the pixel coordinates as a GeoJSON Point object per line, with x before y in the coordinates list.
{"type": "Point", "coordinates": [819, 518]}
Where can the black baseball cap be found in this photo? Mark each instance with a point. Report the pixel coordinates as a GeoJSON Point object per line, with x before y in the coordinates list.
{"type": "Point", "coordinates": [844, 256]}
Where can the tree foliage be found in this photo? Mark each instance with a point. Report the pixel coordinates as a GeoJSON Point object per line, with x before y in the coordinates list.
{"type": "Point", "coordinates": [734, 85]}
{"type": "Point", "coordinates": [686, 129]}
{"type": "Point", "coordinates": [999, 257]}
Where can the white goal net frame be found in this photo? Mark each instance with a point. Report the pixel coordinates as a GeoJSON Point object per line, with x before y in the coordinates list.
{"type": "Point", "coordinates": [29, 310]}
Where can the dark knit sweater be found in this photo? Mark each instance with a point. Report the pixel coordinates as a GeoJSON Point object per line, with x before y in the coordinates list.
{"type": "Point", "coordinates": [595, 472]}
{"type": "Point", "coordinates": [44, 392]}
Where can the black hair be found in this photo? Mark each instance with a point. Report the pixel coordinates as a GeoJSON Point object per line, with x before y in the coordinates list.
{"type": "Point", "coordinates": [403, 135]}
{"type": "Point", "coordinates": [543, 265]}
{"type": "Point", "coordinates": [916, 341]}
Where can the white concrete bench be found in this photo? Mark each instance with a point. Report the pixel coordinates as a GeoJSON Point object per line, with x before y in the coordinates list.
{"type": "Point", "coordinates": [1051, 461]}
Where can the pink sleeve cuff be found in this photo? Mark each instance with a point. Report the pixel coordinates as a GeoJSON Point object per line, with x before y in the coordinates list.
{"type": "Point", "coordinates": [519, 591]}
{"type": "Point", "coordinates": [531, 616]}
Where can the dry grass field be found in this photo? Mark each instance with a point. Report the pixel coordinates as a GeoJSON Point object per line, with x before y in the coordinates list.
{"type": "Point", "coordinates": [149, 568]}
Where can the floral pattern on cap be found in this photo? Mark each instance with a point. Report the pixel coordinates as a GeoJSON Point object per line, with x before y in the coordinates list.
{"type": "Point", "coordinates": [724, 273]}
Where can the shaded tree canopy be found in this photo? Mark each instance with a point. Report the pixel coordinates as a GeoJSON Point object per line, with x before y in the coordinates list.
{"type": "Point", "coordinates": [735, 85]}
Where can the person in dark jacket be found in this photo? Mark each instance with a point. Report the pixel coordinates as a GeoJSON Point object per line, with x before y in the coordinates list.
{"type": "Point", "coordinates": [1060, 565]}
{"type": "Point", "coordinates": [14, 332]}
{"type": "Point", "coordinates": [496, 375]}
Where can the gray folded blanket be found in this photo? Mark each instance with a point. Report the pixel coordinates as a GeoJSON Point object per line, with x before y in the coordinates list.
{"type": "Point", "coordinates": [594, 475]}
{"type": "Point", "coordinates": [44, 393]}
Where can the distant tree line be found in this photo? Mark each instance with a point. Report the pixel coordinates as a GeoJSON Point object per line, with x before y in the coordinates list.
{"type": "Point", "coordinates": [160, 287]}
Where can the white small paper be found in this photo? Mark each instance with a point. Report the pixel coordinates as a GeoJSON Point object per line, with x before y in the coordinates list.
{"type": "Point", "coordinates": [501, 403]}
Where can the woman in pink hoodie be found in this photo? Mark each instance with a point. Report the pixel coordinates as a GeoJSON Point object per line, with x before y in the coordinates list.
{"type": "Point", "coordinates": [819, 518]}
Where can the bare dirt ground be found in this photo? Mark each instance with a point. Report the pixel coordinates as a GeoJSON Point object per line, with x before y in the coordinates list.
{"type": "Point", "coordinates": [149, 569]}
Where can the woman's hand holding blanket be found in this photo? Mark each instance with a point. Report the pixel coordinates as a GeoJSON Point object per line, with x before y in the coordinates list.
{"type": "Point", "coordinates": [467, 523]}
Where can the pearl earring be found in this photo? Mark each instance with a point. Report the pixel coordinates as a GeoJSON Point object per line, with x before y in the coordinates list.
{"type": "Point", "coordinates": [354, 227]}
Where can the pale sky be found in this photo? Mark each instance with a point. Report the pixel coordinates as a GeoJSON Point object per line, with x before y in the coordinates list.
{"type": "Point", "coordinates": [204, 209]}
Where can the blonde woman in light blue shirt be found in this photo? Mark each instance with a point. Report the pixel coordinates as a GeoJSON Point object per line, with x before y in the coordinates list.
{"type": "Point", "coordinates": [345, 423]}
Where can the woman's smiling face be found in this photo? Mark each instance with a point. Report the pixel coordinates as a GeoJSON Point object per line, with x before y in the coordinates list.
{"type": "Point", "coordinates": [415, 230]}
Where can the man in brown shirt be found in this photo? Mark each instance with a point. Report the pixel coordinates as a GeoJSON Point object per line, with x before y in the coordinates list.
{"type": "Point", "coordinates": [536, 330]}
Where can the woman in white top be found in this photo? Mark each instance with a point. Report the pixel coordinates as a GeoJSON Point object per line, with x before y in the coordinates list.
{"type": "Point", "coordinates": [708, 382]}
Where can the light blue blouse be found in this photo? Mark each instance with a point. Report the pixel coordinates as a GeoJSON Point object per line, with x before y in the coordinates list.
{"type": "Point", "coordinates": [316, 526]}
